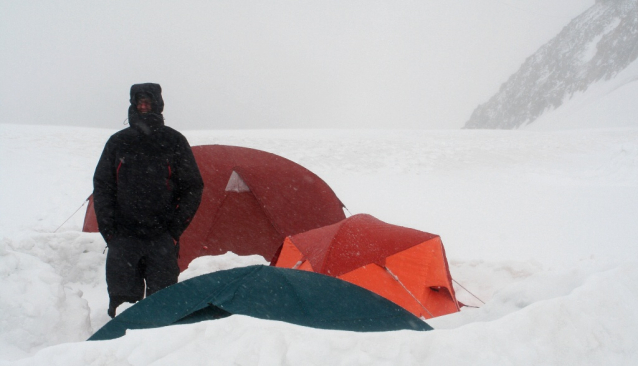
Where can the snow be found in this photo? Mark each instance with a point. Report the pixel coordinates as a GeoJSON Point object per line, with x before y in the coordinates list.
{"type": "Point", "coordinates": [606, 103]}
{"type": "Point", "coordinates": [539, 225]}
{"type": "Point", "coordinates": [592, 48]}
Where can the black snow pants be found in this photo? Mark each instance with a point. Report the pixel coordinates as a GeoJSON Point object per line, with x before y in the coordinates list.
{"type": "Point", "coordinates": [132, 263]}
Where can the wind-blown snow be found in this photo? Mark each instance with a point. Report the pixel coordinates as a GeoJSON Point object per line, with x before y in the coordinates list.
{"type": "Point", "coordinates": [540, 225]}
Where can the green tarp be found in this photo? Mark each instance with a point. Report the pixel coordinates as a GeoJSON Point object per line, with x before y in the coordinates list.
{"type": "Point", "coordinates": [288, 295]}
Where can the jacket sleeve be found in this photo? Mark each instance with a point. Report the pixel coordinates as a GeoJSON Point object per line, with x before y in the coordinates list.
{"type": "Point", "coordinates": [105, 192]}
{"type": "Point", "coordinates": [189, 189]}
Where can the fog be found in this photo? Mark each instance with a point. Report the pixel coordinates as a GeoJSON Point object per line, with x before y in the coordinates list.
{"type": "Point", "coordinates": [268, 64]}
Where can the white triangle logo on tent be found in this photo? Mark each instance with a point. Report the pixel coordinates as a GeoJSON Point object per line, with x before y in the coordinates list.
{"type": "Point", "coordinates": [236, 184]}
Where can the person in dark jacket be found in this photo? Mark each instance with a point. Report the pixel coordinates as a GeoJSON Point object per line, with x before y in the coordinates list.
{"type": "Point", "coordinates": [146, 189]}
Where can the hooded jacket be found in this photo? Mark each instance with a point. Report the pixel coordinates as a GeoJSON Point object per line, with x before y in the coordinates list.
{"type": "Point", "coordinates": [146, 181]}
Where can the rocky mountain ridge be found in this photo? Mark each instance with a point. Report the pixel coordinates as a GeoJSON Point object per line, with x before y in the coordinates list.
{"type": "Point", "coordinates": [594, 46]}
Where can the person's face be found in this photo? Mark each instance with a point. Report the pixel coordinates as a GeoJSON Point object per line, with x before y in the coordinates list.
{"type": "Point", "coordinates": [144, 105]}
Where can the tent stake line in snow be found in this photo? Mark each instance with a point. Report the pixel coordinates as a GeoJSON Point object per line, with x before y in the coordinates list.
{"type": "Point", "coordinates": [271, 293]}
{"type": "Point", "coordinates": [468, 291]}
{"type": "Point", "coordinates": [73, 214]}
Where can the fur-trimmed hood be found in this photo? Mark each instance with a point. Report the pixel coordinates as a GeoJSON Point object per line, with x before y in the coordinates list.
{"type": "Point", "coordinates": [154, 91]}
{"type": "Point", "coordinates": [149, 122]}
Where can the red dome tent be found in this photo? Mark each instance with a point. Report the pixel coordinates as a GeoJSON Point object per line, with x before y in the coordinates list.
{"type": "Point", "coordinates": [252, 200]}
{"type": "Point", "coordinates": [403, 265]}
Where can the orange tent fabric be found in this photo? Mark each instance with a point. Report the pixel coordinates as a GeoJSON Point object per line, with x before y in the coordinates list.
{"type": "Point", "coordinates": [252, 200]}
{"type": "Point", "coordinates": [403, 265]}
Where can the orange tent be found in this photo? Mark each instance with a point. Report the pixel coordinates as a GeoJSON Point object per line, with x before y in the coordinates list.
{"type": "Point", "coordinates": [403, 265]}
{"type": "Point", "coordinates": [252, 200]}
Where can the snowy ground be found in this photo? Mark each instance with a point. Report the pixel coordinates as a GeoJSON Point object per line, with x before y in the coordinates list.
{"type": "Point", "coordinates": [539, 225]}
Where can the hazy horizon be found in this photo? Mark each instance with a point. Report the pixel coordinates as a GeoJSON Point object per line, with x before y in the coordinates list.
{"type": "Point", "coordinates": [279, 64]}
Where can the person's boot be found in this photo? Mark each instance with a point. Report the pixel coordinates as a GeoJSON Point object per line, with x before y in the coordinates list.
{"type": "Point", "coordinates": [113, 304]}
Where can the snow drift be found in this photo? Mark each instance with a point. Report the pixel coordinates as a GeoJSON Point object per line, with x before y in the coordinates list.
{"type": "Point", "coordinates": [538, 225]}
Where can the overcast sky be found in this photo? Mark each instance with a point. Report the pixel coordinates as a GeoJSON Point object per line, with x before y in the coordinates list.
{"type": "Point", "coordinates": [267, 64]}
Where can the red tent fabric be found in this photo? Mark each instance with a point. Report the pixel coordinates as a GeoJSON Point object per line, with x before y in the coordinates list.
{"type": "Point", "coordinates": [252, 200]}
{"type": "Point", "coordinates": [404, 265]}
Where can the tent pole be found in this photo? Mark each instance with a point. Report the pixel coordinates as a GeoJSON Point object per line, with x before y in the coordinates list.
{"type": "Point", "coordinates": [406, 289]}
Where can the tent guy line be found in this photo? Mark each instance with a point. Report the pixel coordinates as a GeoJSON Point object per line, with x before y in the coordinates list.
{"type": "Point", "coordinates": [73, 214]}
{"type": "Point", "coordinates": [468, 291]}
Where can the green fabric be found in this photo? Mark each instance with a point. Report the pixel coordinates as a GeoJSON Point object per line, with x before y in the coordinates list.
{"type": "Point", "coordinates": [288, 295]}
